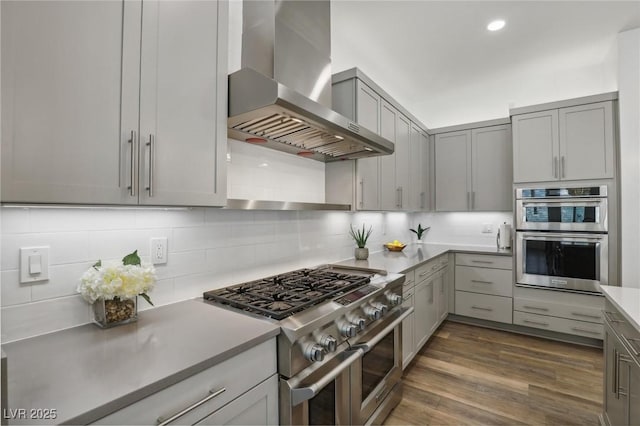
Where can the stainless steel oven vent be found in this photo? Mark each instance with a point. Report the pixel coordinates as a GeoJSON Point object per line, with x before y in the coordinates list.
{"type": "Point", "coordinates": [282, 93]}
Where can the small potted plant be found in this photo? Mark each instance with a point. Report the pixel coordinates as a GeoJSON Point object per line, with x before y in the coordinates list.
{"type": "Point", "coordinates": [420, 231]}
{"type": "Point", "coordinates": [361, 237]}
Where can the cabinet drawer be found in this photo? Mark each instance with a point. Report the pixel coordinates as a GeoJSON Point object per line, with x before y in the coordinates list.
{"type": "Point", "coordinates": [562, 310]}
{"type": "Point", "coordinates": [484, 306]}
{"type": "Point", "coordinates": [409, 279]}
{"type": "Point", "coordinates": [484, 261]}
{"type": "Point", "coordinates": [561, 325]}
{"type": "Point", "coordinates": [484, 280]}
{"type": "Point", "coordinates": [424, 271]}
{"type": "Point", "coordinates": [407, 293]}
{"type": "Point", "coordinates": [235, 375]}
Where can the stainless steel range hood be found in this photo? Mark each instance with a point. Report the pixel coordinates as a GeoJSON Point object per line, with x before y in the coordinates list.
{"type": "Point", "coordinates": [281, 98]}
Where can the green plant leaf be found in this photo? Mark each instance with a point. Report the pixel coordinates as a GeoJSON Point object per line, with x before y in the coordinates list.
{"type": "Point", "coordinates": [97, 264]}
{"type": "Point", "coordinates": [131, 259]}
{"type": "Point", "coordinates": [146, 297]}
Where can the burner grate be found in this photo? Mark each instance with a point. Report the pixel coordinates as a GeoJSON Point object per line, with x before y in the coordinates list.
{"type": "Point", "coordinates": [283, 295]}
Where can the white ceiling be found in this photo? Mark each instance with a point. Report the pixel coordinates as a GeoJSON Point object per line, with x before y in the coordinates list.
{"type": "Point", "coordinates": [437, 59]}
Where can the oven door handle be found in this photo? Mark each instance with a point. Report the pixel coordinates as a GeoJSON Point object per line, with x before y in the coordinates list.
{"type": "Point", "coordinates": [367, 346]}
{"type": "Point", "coordinates": [302, 394]}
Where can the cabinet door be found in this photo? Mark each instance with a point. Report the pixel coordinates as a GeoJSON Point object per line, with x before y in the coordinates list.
{"type": "Point", "coordinates": [535, 147]}
{"type": "Point", "coordinates": [425, 311]}
{"type": "Point", "coordinates": [388, 130]}
{"type": "Point", "coordinates": [634, 393]}
{"type": "Point", "coordinates": [418, 170]}
{"type": "Point", "coordinates": [408, 344]}
{"type": "Point", "coordinates": [368, 104]}
{"type": "Point", "coordinates": [586, 141]}
{"type": "Point", "coordinates": [402, 154]}
{"type": "Point", "coordinates": [183, 103]}
{"type": "Point", "coordinates": [492, 168]}
{"type": "Point", "coordinates": [614, 403]}
{"type": "Point", "coordinates": [69, 100]}
{"type": "Point", "coordinates": [453, 163]}
{"type": "Point", "coordinates": [258, 406]}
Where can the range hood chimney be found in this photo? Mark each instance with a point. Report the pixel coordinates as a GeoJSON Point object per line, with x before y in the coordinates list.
{"type": "Point", "coordinates": [281, 97]}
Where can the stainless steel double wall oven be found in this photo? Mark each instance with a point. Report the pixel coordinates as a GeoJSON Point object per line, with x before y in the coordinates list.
{"type": "Point", "coordinates": [562, 238]}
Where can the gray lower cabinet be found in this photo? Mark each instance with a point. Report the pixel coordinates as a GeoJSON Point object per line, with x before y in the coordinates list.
{"type": "Point", "coordinates": [241, 390]}
{"type": "Point", "coordinates": [622, 370]}
{"type": "Point", "coordinates": [426, 290]}
{"type": "Point", "coordinates": [571, 143]}
{"type": "Point", "coordinates": [116, 102]}
{"type": "Point", "coordinates": [473, 169]}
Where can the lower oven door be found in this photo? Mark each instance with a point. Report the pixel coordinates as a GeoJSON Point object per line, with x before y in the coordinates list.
{"type": "Point", "coordinates": [568, 261]}
{"type": "Point", "coordinates": [320, 394]}
{"type": "Point", "coordinates": [375, 379]}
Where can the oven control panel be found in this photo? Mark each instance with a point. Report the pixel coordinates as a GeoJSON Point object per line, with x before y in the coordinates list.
{"type": "Point", "coordinates": [356, 295]}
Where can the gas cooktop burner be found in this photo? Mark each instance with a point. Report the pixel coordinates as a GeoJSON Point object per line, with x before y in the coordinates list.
{"type": "Point", "coordinates": [283, 295]}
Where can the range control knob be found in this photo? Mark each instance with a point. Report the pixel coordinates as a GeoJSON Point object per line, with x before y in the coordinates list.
{"type": "Point", "coordinates": [383, 308]}
{"type": "Point", "coordinates": [314, 352]}
{"type": "Point", "coordinates": [373, 312]}
{"type": "Point", "coordinates": [329, 343]}
{"type": "Point", "coordinates": [361, 323]}
{"type": "Point", "coordinates": [348, 330]}
{"type": "Point", "coordinates": [394, 299]}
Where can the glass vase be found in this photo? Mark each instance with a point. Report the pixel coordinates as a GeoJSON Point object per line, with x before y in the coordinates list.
{"type": "Point", "coordinates": [109, 313]}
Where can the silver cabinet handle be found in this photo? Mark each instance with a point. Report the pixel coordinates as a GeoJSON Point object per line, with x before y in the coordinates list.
{"type": "Point", "coordinates": [299, 395]}
{"type": "Point", "coordinates": [536, 308]}
{"type": "Point", "coordinates": [422, 200]}
{"type": "Point", "coordinates": [609, 317]}
{"type": "Point", "coordinates": [578, 314]}
{"type": "Point", "coordinates": [562, 172]}
{"type": "Point", "coordinates": [544, 324]}
{"type": "Point", "coordinates": [401, 197]}
{"type": "Point", "coordinates": [582, 330]}
{"type": "Point", "coordinates": [473, 200]}
{"type": "Point", "coordinates": [480, 308]}
{"type": "Point", "coordinates": [361, 193]}
{"type": "Point", "coordinates": [151, 145]}
{"type": "Point", "coordinates": [212, 394]}
{"type": "Point", "coordinates": [616, 373]}
{"type": "Point", "coordinates": [555, 167]}
{"type": "Point", "coordinates": [468, 200]}
{"type": "Point", "coordinates": [132, 146]}
{"type": "Point", "coordinates": [486, 262]}
{"type": "Point", "coordinates": [481, 282]}
{"type": "Point", "coordinates": [628, 341]}
{"type": "Point", "coordinates": [398, 197]}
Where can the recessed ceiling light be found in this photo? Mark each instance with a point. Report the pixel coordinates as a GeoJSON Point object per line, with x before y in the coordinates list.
{"type": "Point", "coordinates": [496, 25]}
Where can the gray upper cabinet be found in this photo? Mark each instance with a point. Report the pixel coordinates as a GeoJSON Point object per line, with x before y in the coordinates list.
{"type": "Point", "coordinates": [419, 170]}
{"type": "Point", "coordinates": [571, 143]}
{"type": "Point", "coordinates": [388, 182]}
{"type": "Point", "coordinates": [473, 169]}
{"type": "Point", "coordinates": [452, 171]}
{"type": "Point", "coordinates": [492, 168]}
{"type": "Point", "coordinates": [114, 103]}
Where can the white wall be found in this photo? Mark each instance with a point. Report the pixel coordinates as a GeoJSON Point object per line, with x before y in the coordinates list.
{"type": "Point", "coordinates": [461, 227]}
{"type": "Point", "coordinates": [629, 105]}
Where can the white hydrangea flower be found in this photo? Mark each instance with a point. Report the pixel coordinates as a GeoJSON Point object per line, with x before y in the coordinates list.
{"type": "Point", "coordinates": [113, 279]}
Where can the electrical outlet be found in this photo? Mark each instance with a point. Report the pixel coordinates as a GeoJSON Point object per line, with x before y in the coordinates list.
{"type": "Point", "coordinates": [159, 252]}
{"type": "Point", "coordinates": [487, 228]}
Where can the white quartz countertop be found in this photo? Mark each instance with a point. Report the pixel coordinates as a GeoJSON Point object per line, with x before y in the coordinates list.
{"type": "Point", "coordinates": [627, 300]}
{"type": "Point", "coordinates": [415, 254]}
{"type": "Point", "coordinates": [86, 372]}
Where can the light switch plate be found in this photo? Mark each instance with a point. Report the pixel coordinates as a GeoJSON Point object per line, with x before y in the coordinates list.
{"type": "Point", "coordinates": [487, 228]}
{"type": "Point", "coordinates": [34, 264]}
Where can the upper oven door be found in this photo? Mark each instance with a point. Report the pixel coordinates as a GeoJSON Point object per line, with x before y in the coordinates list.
{"type": "Point", "coordinates": [575, 262]}
{"type": "Point", "coordinates": [583, 214]}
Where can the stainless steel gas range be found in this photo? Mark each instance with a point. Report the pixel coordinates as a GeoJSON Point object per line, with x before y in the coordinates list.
{"type": "Point", "coordinates": [339, 350]}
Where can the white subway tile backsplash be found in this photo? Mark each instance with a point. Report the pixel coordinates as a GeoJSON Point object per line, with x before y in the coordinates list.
{"type": "Point", "coordinates": [183, 263]}
{"type": "Point", "coordinates": [22, 321]}
{"type": "Point", "coordinates": [91, 219]}
{"type": "Point", "coordinates": [63, 281]}
{"type": "Point", "coordinates": [65, 247]}
{"type": "Point", "coordinates": [170, 218]}
{"type": "Point", "coordinates": [14, 293]}
{"type": "Point", "coordinates": [210, 236]}
{"type": "Point", "coordinates": [14, 220]}
{"type": "Point", "coordinates": [116, 244]}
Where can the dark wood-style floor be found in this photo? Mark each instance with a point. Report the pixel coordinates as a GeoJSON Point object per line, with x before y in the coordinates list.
{"type": "Point", "coordinates": [474, 375]}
